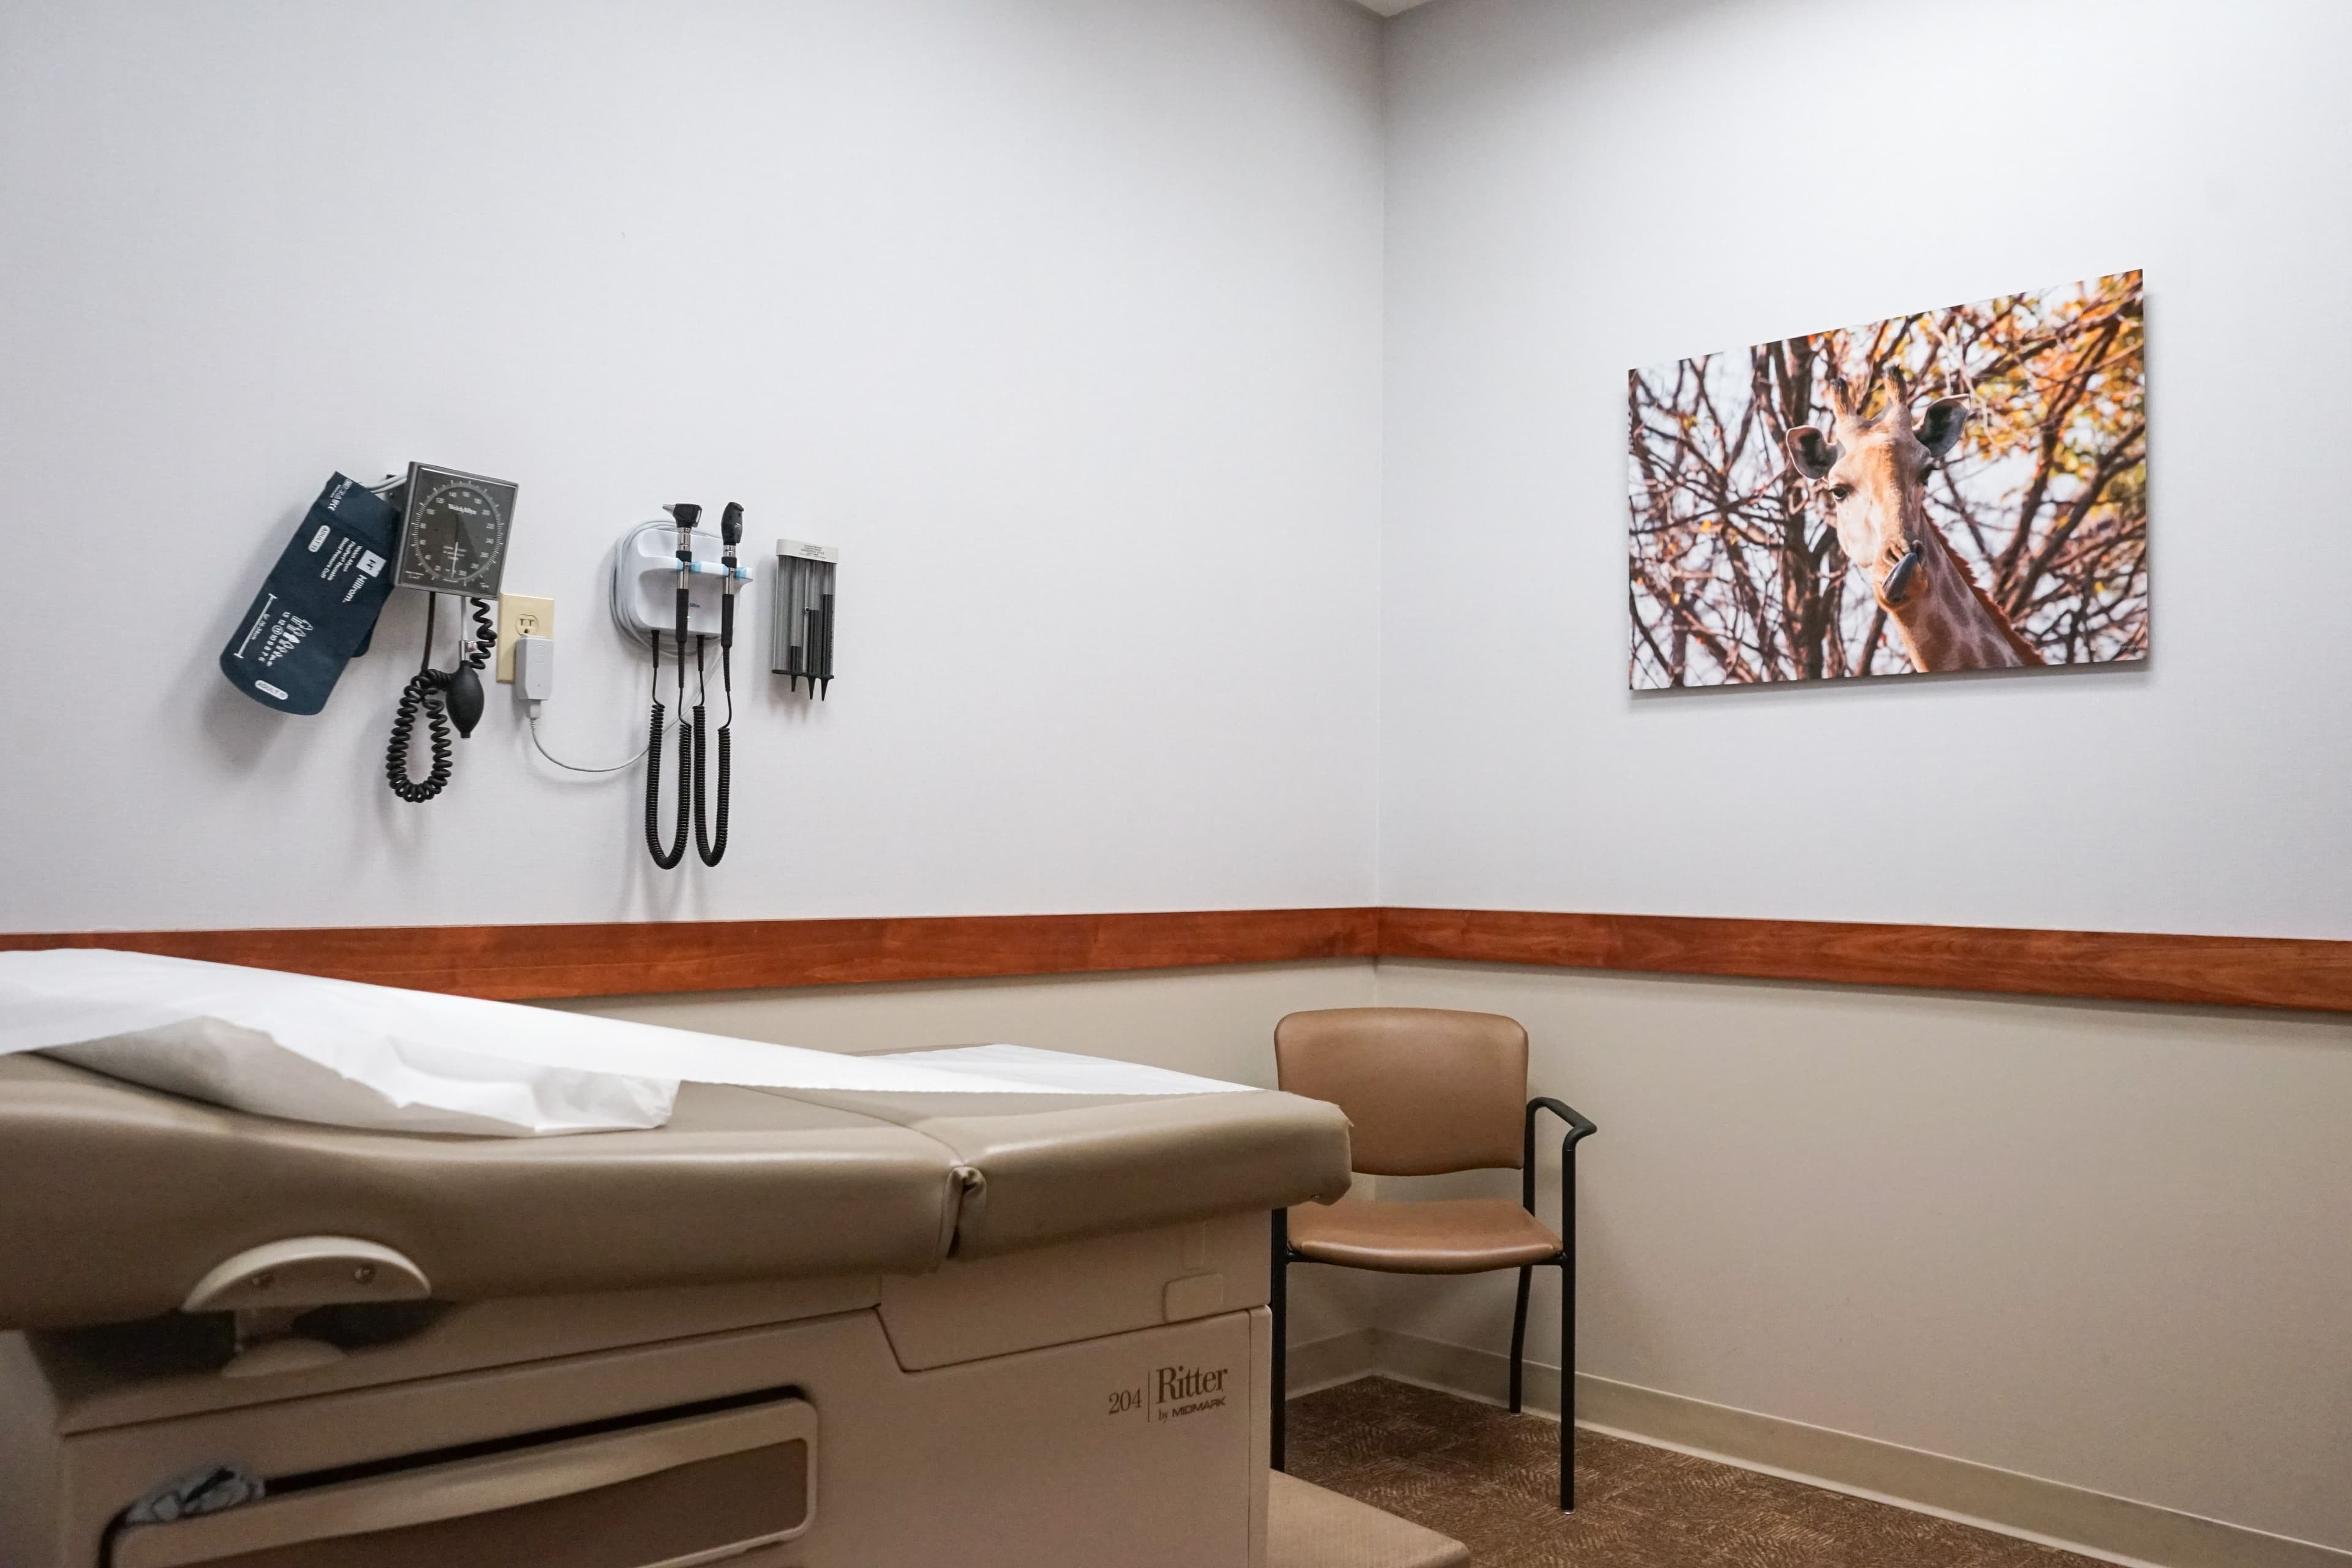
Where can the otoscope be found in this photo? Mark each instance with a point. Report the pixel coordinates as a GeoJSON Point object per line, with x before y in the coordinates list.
{"type": "Point", "coordinates": [731, 534]}
{"type": "Point", "coordinates": [687, 515]}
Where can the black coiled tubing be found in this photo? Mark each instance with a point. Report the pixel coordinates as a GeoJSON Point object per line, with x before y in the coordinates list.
{"type": "Point", "coordinates": [424, 696]}
{"type": "Point", "coordinates": [709, 848]}
{"type": "Point", "coordinates": [668, 860]}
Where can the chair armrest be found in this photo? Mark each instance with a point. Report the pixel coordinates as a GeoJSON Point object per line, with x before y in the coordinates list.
{"type": "Point", "coordinates": [1579, 1128]}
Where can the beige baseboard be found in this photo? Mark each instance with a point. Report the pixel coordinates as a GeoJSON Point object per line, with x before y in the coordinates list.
{"type": "Point", "coordinates": [1342, 1358]}
{"type": "Point", "coordinates": [2115, 1529]}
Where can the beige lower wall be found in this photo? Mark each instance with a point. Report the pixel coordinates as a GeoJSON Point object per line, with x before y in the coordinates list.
{"type": "Point", "coordinates": [1217, 1022]}
{"type": "Point", "coordinates": [2108, 1247]}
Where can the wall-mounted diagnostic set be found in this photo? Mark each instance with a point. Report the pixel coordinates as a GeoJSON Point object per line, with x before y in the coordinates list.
{"type": "Point", "coordinates": [445, 532]}
{"type": "Point", "coordinates": [683, 592]}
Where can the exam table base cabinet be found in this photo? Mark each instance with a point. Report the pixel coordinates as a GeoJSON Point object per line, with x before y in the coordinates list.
{"type": "Point", "coordinates": [1037, 1408]}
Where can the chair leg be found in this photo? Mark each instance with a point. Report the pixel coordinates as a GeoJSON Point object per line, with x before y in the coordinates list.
{"type": "Point", "coordinates": [1519, 1336]}
{"type": "Point", "coordinates": [1277, 1296]}
{"type": "Point", "coordinates": [1568, 1328]}
{"type": "Point", "coordinates": [1567, 1383]}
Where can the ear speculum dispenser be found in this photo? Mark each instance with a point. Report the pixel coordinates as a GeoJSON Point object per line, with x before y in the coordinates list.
{"type": "Point", "coordinates": [800, 610]}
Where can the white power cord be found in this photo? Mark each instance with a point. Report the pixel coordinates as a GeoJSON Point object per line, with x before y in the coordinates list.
{"type": "Point", "coordinates": [575, 767]}
{"type": "Point", "coordinates": [534, 674]}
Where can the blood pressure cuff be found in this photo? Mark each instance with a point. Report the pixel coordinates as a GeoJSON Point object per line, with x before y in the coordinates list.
{"type": "Point", "coordinates": [318, 607]}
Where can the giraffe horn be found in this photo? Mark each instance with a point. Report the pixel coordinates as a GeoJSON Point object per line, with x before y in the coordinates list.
{"type": "Point", "coordinates": [1841, 396]}
{"type": "Point", "coordinates": [1898, 398]}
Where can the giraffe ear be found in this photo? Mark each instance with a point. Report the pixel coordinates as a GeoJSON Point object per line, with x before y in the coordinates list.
{"type": "Point", "coordinates": [1810, 453]}
{"type": "Point", "coordinates": [1940, 425]}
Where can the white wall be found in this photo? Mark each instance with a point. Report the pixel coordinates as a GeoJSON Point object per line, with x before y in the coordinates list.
{"type": "Point", "coordinates": [2105, 1247]}
{"type": "Point", "coordinates": [1062, 321]}
{"type": "Point", "coordinates": [1575, 189]}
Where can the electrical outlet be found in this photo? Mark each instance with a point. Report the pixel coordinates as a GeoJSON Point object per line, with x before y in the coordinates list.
{"type": "Point", "coordinates": [520, 616]}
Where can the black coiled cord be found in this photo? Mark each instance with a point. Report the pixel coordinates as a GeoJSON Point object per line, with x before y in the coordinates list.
{"type": "Point", "coordinates": [709, 849]}
{"type": "Point", "coordinates": [426, 694]}
{"type": "Point", "coordinates": [421, 695]}
{"type": "Point", "coordinates": [666, 861]}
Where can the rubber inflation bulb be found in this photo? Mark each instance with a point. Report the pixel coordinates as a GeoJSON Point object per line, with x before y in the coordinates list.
{"type": "Point", "coordinates": [465, 699]}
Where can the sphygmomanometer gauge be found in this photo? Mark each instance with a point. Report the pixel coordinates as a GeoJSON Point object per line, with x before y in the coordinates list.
{"type": "Point", "coordinates": [454, 530]}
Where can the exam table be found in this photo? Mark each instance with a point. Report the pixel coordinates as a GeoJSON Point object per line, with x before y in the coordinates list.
{"type": "Point", "coordinates": [790, 1328]}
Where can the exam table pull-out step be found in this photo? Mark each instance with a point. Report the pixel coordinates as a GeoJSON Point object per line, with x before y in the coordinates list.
{"type": "Point", "coordinates": [746, 1475]}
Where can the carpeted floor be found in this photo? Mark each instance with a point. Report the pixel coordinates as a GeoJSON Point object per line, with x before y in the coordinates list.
{"type": "Point", "coordinates": [1490, 1479]}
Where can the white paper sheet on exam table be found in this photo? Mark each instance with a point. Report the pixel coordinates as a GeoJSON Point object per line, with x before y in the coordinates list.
{"type": "Point", "coordinates": [420, 1062]}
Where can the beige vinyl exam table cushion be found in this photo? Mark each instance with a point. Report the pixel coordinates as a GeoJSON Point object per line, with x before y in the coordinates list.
{"type": "Point", "coordinates": [115, 1201]}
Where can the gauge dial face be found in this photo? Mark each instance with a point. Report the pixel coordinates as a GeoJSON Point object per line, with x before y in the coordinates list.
{"type": "Point", "coordinates": [455, 536]}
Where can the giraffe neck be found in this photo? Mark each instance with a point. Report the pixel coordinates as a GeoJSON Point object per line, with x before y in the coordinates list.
{"type": "Point", "coordinates": [1950, 625]}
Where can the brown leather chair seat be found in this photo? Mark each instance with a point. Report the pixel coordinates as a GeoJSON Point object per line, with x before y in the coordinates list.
{"type": "Point", "coordinates": [1448, 1235]}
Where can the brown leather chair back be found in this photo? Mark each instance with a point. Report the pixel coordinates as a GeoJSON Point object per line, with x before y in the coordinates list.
{"type": "Point", "coordinates": [1429, 1090]}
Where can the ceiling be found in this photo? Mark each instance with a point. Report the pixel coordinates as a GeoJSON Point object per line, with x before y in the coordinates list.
{"type": "Point", "coordinates": [1389, 8]}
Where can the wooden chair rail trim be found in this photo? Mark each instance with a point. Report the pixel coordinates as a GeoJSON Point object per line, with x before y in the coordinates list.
{"type": "Point", "coordinates": [2111, 966]}
{"type": "Point", "coordinates": [521, 963]}
{"type": "Point", "coordinates": [527, 962]}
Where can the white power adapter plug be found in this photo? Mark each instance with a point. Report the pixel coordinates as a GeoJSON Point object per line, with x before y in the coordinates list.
{"type": "Point", "coordinates": [534, 683]}
{"type": "Point", "coordinates": [534, 670]}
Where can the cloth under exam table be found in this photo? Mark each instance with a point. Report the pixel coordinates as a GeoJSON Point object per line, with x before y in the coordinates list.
{"type": "Point", "coordinates": [833, 1328]}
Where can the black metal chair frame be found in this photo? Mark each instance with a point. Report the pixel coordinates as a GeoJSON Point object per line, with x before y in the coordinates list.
{"type": "Point", "coordinates": [1578, 1128]}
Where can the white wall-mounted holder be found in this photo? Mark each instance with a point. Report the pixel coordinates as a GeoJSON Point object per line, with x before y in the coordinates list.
{"type": "Point", "coordinates": [645, 583]}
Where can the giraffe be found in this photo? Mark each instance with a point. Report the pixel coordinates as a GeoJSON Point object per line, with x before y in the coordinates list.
{"type": "Point", "coordinates": [1874, 477]}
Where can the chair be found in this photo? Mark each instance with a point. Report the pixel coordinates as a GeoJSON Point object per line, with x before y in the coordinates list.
{"type": "Point", "coordinates": [1430, 1092]}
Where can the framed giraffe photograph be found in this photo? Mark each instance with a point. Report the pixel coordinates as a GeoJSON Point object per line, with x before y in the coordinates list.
{"type": "Point", "coordinates": [1962, 488]}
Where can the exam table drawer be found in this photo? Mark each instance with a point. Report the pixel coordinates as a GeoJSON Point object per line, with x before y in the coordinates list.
{"type": "Point", "coordinates": [670, 1493]}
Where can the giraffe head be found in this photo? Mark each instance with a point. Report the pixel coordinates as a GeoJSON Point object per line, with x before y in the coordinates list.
{"type": "Point", "coordinates": [1873, 473]}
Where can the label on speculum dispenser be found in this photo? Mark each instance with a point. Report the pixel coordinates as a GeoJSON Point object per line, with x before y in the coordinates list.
{"type": "Point", "coordinates": [318, 607]}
